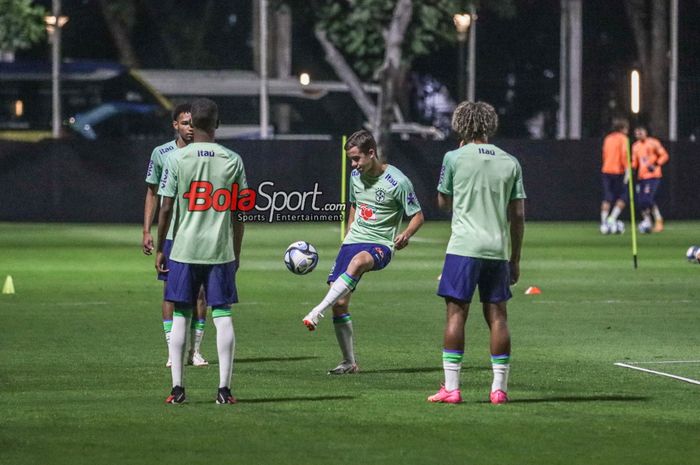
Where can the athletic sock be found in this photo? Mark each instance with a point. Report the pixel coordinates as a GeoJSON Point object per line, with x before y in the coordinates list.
{"type": "Point", "coordinates": [341, 287]}
{"type": "Point", "coordinates": [657, 213]}
{"type": "Point", "coordinates": [452, 364]}
{"type": "Point", "coordinates": [501, 367]}
{"type": "Point", "coordinates": [178, 338]}
{"type": "Point", "coordinates": [615, 213]}
{"type": "Point", "coordinates": [196, 334]}
{"type": "Point", "coordinates": [343, 332]}
{"type": "Point", "coordinates": [225, 343]}
{"type": "Point", "coordinates": [603, 217]}
{"type": "Point", "coordinates": [167, 328]}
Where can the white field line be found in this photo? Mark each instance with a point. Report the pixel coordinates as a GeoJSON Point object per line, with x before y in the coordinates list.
{"type": "Point", "coordinates": [659, 373]}
{"type": "Point", "coordinates": [610, 302]}
{"type": "Point", "coordinates": [664, 362]}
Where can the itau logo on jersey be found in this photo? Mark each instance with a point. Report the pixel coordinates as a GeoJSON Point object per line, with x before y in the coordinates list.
{"type": "Point", "coordinates": [366, 213]}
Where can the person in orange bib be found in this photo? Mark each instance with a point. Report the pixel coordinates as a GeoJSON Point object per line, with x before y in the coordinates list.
{"type": "Point", "coordinates": [614, 176]}
{"type": "Point", "coordinates": [648, 155]}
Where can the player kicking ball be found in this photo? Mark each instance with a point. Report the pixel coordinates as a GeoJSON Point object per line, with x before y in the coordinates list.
{"type": "Point", "coordinates": [380, 194]}
{"type": "Point", "coordinates": [483, 187]}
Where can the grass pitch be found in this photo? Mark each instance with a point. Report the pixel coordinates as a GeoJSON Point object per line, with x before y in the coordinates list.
{"type": "Point", "coordinates": [82, 376]}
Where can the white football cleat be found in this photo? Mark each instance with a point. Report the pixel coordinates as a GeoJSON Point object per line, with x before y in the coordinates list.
{"type": "Point", "coordinates": [196, 359]}
{"type": "Point", "coordinates": [344, 368]}
{"type": "Point", "coordinates": [312, 319]}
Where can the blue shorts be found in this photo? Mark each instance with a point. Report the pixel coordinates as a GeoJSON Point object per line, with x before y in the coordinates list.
{"type": "Point", "coordinates": [614, 188]}
{"type": "Point", "coordinates": [167, 247]}
{"type": "Point", "coordinates": [647, 192]}
{"type": "Point", "coordinates": [380, 253]}
{"type": "Point", "coordinates": [186, 279]}
{"type": "Point", "coordinates": [461, 275]}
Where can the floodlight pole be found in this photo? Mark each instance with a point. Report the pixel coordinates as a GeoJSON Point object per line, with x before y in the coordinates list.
{"type": "Point", "coordinates": [471, 79]}
{"type": "Point", "coordinates": [673, 76]}
{"type": "Point", "coordinates": [264, 84]}
{"type": "Point", "coordinates": [55, 35]}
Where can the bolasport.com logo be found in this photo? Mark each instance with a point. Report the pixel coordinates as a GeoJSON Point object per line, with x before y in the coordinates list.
{"type": "Point", "coordinates": [264, 203]}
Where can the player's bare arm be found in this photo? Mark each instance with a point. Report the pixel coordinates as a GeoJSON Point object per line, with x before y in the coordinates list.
{"type": "Point", "coordinates": [166, 213]}
{"type": "Point", "coordinates": [444, 202]}
{"type": "Point", "coordinates": [401, 240]}
{"type": "Point", "coordinates": [238, 230]}
{"type": "Point", "coordinates": [149, 210]}
{"type": "Point", "coordinates": [516, 215]}
{"type": "Point", "coordinates": [351, 217]}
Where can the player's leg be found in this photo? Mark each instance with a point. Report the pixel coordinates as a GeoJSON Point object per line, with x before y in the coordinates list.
{"type": "Point", "coordinates": [453, 351]}
{"type": "Point", "coordinates": [497, 319]}
{"type": "Point", "coordinates": [656, 213]}
{"type": "Point", "coordinates": [199, 319]}
{"type": "Point", "coordinates": [606, 203]}
{"type": "Point", "coordinates": [220, 288]}
{"type": "Point", "coordinates": [645, 204]}
{"type": "Point", "coordinates": [342, 323]}
{"type": "Point", "coordinates": [167, 312]}
{"type": "Point", "coordinates": [344, 284]}
{"type": "Point", "coordinates": [494, 290]}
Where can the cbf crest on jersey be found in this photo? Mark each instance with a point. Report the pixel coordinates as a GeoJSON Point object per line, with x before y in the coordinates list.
{"type": "Point", "coordinates": [380, 195]}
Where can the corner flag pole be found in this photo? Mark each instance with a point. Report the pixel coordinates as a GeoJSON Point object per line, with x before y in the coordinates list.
{"type": "Point", "coordinates": [343, 187]}
{"type": "Point", "coordinates": [635, 104]}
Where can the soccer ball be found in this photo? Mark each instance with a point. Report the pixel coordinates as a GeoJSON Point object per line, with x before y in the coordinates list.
{"type": "Point", "coordinates": [644, 227]}
{"type": "Point", "coordinates": [619, 227]}
{"type": "Point", "coordinates": [301, 257]}
{"type": "Point", "coordinates": [693, 254]}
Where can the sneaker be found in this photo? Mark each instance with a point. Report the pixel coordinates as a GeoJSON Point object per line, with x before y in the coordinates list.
{"type": "Point", "coordinates": [196, 359]}
{"type": "Point", "coordinates": [169, 363]}
{"type": "Point", "coordinates": [311, 320]}
{"type": "Point", "coordinates": [446, 397]}
{"type": "Point", "coordinates": [658, 226]}
{"type": "Point", "coordinates": [224, 396]}
{"type": "Point", "coordinates": [344, 368]}
{"type": "Point", "coordinates": [177, 396]}
{"type": "Point", "coordinates": [498, 397]}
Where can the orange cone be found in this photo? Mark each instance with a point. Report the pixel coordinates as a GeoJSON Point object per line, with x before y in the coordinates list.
{"type": "Point", "coordinates": [532, 290]}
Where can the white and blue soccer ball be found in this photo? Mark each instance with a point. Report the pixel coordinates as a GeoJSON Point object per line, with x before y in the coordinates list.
{"type": "Point", "coordinates": [301, 257]}
{"type": "Point", "coordinates": [619, 227]}
{"type": "Point", "coordinates": [644, 227]}
{"type": "Point", "coordinates": [693, 254]}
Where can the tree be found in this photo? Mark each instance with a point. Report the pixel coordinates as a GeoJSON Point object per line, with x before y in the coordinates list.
{"type": "Point", "coordinates": [21, 25]}
{"type": "Point", "coordinates": [378, 40]}
{"type": "Point", "coordinates": [649, 21]}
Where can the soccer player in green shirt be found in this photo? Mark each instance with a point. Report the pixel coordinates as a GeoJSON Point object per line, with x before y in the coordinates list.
{"type": "Point", "coordinates": [204, 179]}
{"type": "Point", "coordinates": [483, 186]}
{"type": "Point", "coordinates": [182, 123]}
{"type": "Point", "coordinates": [380, 194]}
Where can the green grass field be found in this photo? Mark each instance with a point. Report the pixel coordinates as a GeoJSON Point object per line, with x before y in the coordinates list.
{"type": "Point", "coordinates": [82, 376]}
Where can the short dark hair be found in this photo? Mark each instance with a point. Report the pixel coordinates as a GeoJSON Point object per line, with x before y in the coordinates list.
{"type": "Point", "coordinates": [363, 140]}
{"type": "Point", "coordinates": [618, 124]}
{"type": "Point", "coordinates": [205, 114]}
{"type": "Point", "coordinates": [180, 109]}
{"type": "Point", "coordinates": [474, 120]}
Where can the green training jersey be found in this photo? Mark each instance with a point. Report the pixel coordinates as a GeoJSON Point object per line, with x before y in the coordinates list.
{"type": "Point", "coordinates": [482, 180]}
{"type": "Point", "coordinates": [157, 161]}
{"type": "Point", "coordinates": [380, 204]}
{"type": "Point", "coordinates": [205, 178]}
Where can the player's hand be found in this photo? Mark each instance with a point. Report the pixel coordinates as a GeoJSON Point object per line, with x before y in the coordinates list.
{"type": "Point", "coordinates": [514, 272]}
{"type": "Point", "coordinates": [147, 243]}
{"type": "Point", "coordinates": [236, 264]}
{"type": "Point", "coordinates": [161, 263]}
{"type": "Point", "coordinates": [401, 241]}
{"type": "Point", "coordinates": [627, 176]}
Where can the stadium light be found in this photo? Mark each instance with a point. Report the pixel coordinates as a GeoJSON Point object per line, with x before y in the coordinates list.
{"type": "Point", "coordinates": [634, 88]}
{"type": "Point", "coordinates": [462, 22]}
{"type": "Point", "coordinates": [304, 79]}
{"type": "Point", "coordinates": [52, 21]}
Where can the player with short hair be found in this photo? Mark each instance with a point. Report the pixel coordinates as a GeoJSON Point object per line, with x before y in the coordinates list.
{"type": "Point", "coordinates": [182, 123]}
{"type": "Point", "coordinates": [648, 155]}
{"type": "Point", "coordinates": [483, 186]}
{"type": "Point", "coordinates": [380, 194]}
{"type": "Point", "coordinates": [206, 247]}
{"type": "Point", "coordinates": [615, 175]}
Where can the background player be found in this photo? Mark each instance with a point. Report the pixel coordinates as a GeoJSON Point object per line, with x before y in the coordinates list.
{"type": "Point", "coordinates": [615, 175]}
{"type": "Point", "coordinates": [648, 155]}
{"type": "Point", "coordinates": [207, 244]}
{"type": "Point", "coordinates": [380, 194]}
{"type": "Point", "coordinates": [182, 123]}
{"type": "Point", "coordinates": [483, 186]}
